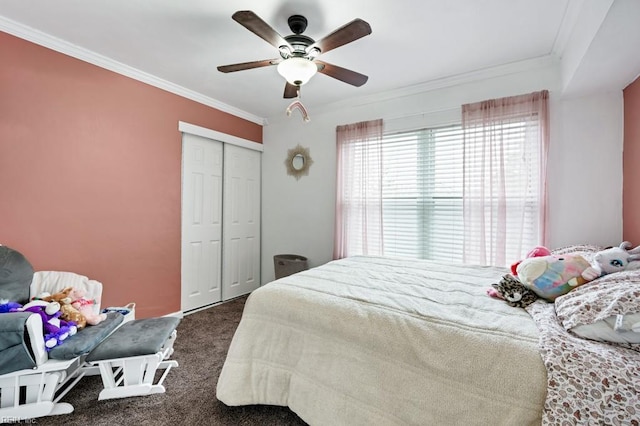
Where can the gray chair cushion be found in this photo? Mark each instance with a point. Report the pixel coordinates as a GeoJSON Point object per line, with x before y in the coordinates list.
{"type": "Point", "coordinates": [135, 338]}
{"type": "Point", "coordinates": [15, 353]}
{"type": "Point", "coordinates": [85, 340]}
{"type": "Point", "coordinates": [16, 274]}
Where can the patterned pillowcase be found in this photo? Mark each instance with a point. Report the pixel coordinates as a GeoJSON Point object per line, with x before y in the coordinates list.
{"type": "Point", "coordinates": [591, 310]}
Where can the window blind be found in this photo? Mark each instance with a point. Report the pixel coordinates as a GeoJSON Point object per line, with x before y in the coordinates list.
{"type": "Point", "coordinates": [422, 193]}
{"type": "Point", "coordinates": [422, 188]}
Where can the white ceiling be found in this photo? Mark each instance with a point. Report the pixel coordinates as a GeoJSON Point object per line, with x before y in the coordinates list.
{"type": "Point", "coordinates": [412, 41]}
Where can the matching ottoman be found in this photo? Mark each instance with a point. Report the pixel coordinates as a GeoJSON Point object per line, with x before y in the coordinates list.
{"type": "Point", "coordinates": [129, 358]}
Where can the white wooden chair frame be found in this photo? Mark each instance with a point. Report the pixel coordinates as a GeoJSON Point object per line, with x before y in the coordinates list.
{"type": "Point", "coordinates": [134, 376]}
{"type": "Point", "coordinates": [32, 393]}
{"type": "Point", "coordinates": [36, 393]}
{"type": "Point", "coordinates": [43, 388]}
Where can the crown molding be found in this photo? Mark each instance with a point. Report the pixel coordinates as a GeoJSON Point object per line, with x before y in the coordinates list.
{"type": "Point", "coordinates": [59, 45]}
{"type": "Point", "coordinates": [541, 62]}
{"type": "Point", "coordinates": [569, 20]}
{"type": "Point", "coordinates": [193, 129]}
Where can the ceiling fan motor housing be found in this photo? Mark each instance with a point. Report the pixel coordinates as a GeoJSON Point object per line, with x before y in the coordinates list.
{"type": "Point", "coordinates": [299, 43]}
{"type": "Point", "coordinates": [297, 24]}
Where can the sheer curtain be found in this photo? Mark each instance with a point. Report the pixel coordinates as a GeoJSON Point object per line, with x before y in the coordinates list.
{"type": "Point", "coordinates": [504, 177]}
{"type": "Point", "coordinates": [358, 226]}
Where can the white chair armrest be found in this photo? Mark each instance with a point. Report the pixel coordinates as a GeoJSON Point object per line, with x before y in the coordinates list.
{"type": "Point", "coordinates": [36, 337]}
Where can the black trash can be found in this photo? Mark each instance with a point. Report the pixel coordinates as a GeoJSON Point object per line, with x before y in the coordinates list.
{"type": "Point", "coordinates": [288, 264]}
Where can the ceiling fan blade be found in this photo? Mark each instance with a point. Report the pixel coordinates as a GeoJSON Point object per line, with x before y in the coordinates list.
{"type": "Point", "coordinates": [253, 23]}
{"type": "Point", "coordinates": [346, 34]}
{"type": "Point", "coordinates": [342, 74]}
{"type": "Point", "coordinates": [248, 65]}
{"type": "Point", "coordinates": [290, 91]}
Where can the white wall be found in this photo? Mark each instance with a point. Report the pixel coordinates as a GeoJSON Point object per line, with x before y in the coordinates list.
{"type": "Point", "coordinates": [585, 177]}
{"type": "Point", "coordinates": [585, 170]}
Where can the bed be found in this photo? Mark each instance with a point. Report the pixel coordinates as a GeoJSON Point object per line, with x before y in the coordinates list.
{"type": "Point", "coordinates": [372, 340]}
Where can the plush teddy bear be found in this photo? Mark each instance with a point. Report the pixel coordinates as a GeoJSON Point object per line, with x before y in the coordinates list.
{"type": "Point", "coordinates": [512, 291]}
{"type": "Point", "coordinates": [617, 259]}
{"type": "Point", "coordinates": [86, 307]}
{"type": "Point", "coordinates": [69, 312]}
{"type": "Point", "coordinates": [55, 329]}
{"type": "Point", "coordinates": [553, 276]}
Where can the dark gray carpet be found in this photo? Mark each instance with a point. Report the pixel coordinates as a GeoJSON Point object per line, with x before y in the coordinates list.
{"type": "Point", "coordinates": [200, 349]}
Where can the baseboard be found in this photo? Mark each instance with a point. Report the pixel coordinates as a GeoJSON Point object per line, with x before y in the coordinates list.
{"type": "Point", "coordinates": [213, 305]}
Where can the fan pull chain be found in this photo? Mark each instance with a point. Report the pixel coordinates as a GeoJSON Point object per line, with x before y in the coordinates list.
{"type": "Point", "coordinates": [297, 104]}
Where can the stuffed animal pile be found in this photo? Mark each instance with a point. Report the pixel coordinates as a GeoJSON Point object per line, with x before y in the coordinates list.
{"type": "Point", "coordinates": [63, 313]}
{"type": "Point", "coordinates": [69, 312]}
{"type": "Point", "coordinates": [546, 276]}
{"type": "Point", "coordinates": [75, 307]}
{"type": "Point", "coordinates": [55, 329]}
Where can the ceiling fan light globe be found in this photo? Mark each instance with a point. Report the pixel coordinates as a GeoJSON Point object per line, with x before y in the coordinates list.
{"type": "Point", "coordinates": [297, 71]}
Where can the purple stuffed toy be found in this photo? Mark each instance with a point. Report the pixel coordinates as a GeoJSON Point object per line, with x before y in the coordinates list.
{"type": "Point", "coordinates": [6, 306]}
{"type": "Point", "coordinates": [55, 329]}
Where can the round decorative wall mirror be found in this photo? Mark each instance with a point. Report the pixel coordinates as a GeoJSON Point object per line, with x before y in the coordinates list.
{"type": "Point", "coordinates": [298, 162]}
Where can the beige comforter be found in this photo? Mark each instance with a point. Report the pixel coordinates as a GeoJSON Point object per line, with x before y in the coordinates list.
{"type": "Point", "coordinates": [379, 341]}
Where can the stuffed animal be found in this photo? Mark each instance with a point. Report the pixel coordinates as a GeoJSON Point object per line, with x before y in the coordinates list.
{"type": "Point", "coordinates": [617, 259]}
{"type": "Point", "coordinates": [69, 312]}
{"type": "Point", "coordinates": [553, 276]}
{"type": "Point", "coordinates": [86, 307]}
{"type": "Point", "coordinates": [56, 330]}
{"type": "Point", "coordinates": [537, 251]}
{"type": "Point", "coordinates": [512, 291]}
{"type": "Point", "coordinates": [6, 306]}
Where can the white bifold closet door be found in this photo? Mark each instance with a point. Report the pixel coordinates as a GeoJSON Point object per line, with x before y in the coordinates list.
{"type": "Point", "coordinates": [220, 221]}
{"type": "Point", "coordinates": [241, 221]}
{"type": "Point", "coordinates": [202, 161]}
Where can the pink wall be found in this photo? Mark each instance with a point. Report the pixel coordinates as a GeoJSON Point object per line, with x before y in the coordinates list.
{"type": "Point", "coordinates": [631, 161]}
{"type": "Point", "coordinates": [90, 170]}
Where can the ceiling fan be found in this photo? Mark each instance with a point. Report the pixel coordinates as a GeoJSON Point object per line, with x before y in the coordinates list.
{"type": "Point", "coordinates": [297, 62]}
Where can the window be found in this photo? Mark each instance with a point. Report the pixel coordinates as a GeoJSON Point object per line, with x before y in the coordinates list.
{"type": "Point", "coordinates": [473, 193]}
{"type": "Point", "coordinates": [422, 191]}
{"type": "Point", "coordinates": [422, 194]}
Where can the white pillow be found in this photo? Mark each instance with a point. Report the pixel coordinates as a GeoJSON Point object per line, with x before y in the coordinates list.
{"type": "Point", "coordinates": [606, 331]}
